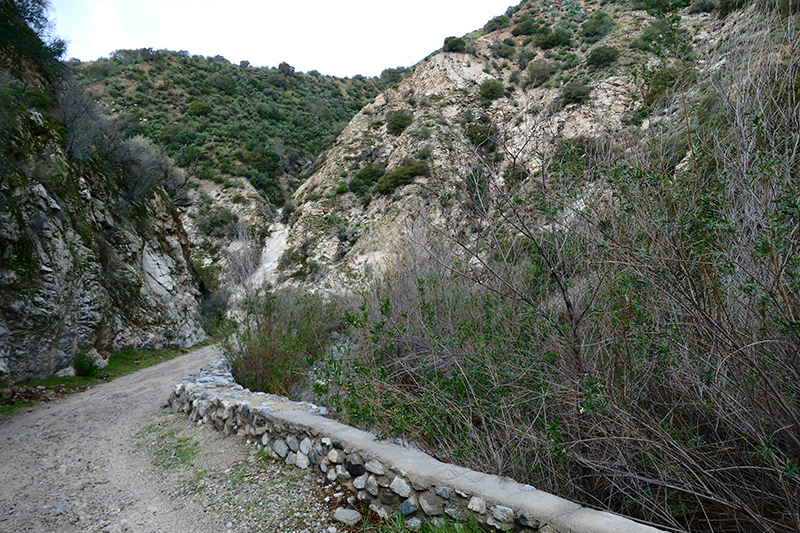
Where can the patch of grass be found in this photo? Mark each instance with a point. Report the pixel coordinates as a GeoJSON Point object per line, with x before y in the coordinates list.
{"type": "Point", "coordinates": [172, 450]}
{"type": "Point", "coordinates": [119, 364]}
{"type": "Point", "coordinates": [10, 409]}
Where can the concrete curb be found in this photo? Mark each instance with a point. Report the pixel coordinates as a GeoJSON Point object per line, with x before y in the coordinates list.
{"type": "Point", "coordinates": [384, 475]}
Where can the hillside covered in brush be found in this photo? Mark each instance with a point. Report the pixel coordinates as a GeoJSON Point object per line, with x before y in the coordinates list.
{"type": "Point", "coordinates": [220, 121]}
{"type": "Point", "coordinates": [569, 246]}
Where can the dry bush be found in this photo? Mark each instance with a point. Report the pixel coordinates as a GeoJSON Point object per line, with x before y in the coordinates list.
{"type": "Point", "coordinates": [620, 332]}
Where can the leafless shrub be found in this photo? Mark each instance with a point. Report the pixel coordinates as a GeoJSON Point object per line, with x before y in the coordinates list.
{"type": "Point", "coordinates": [622, 334]}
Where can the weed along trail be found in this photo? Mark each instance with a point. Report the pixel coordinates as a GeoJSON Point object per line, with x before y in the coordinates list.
{"type": "Point", "coordinates": [112, 458]}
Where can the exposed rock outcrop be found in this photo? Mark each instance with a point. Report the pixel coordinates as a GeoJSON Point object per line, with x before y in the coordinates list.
{"type": "Point", "coordinates": [83, 269]}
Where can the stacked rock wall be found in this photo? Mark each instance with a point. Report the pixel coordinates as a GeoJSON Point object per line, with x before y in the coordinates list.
{"type": "Point", "coordinates": [383, 476]}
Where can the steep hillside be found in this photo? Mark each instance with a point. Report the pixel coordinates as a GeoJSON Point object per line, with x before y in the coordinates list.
{"type": "Point", "coordinates": [547, 78]}
{"type": "Point", "coordinates": [94, 257]}
{"type": "Point", "coordinates": [220, 121]}
{"type": "Point", "coordinates": [569, 247]}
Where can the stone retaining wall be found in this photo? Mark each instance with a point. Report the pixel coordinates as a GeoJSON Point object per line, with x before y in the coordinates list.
{"type": "Point", "coordinates": [386, 477]}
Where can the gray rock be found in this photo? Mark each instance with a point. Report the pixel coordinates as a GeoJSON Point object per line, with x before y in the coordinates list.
{"type": "Point", "coordinates": [301, 460]}
{"type": "Point", "coordinates": [431, 504]}
{"type": "Point", "coordinates": [376, 467]}
{"type": "Point", "coordinates": [336, 456]}
{"type": "Point", "coordinates": [400, 487]}
{"type": "Point", "coordinates": [477, 504]}
{"type": "Point", "coordinates": [443, 492]}
{"type": "Point", "coordinates": [502, 513]}
{"type": "Point", "coordinates": [305, 445]}
{"type": "Point", "coordinates": [455, 512]}
{"type": "Point", "coordinates": [380, 510]}
{"type": "Point", "coordinates": [361, 481]}
{"type": "Point", "coordinates": [372, 486]}
{"type": "Point", "coordinates": [280, 448]}
{"type": "Point", "coordinates": [346, 516]}
{"type": "Point", "coordinates": [414, 523]}
{"type": "Point", "coordinates": [408, 508]}
{"type": "Point", "coordinates": [292, 443]}
{"type": "Point", "coordinates": [522, 520]}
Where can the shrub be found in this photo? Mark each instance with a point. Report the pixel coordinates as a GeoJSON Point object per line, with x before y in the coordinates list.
{"type": "Point", "coordinates": [575, 93]}
{"type": "Point", "coordinates": [496, 23]}
{"type": "Point", "coordinates": [454, 44]}
{"type": "Point", "coordinates": [540, 71]}
{"type": "Point", "coordinates": [650, 34]}
{"type": "Point", "coordinates": [526, 27]}
{"type": "Point", "coordinates": [702, 6]}
{"type": "Point", "coordinates": [403, 174]}
{"type": "Point", "coordinates": [482, 135]}
{"type": "Point", "coordinates": [85, 365]}
{"type": "Point", "coordinates": [397, 121]}
{"type": "Point", "coordinates": [660, 6]}
{"type": "Point", "coordinates": [597, 26]}
{"type": "Point", "coordinates": [560, 37]}
{"type": "Point", "coordinates": [283, 334]}
{"type": "Point", "coordinates": [602, 56]}
{"type": "Point", "coordinates": [503, 50]}
{"type": "Point", "coordinates": [491, 90]}
{"type": "Point", "coordinates": [199, 108]}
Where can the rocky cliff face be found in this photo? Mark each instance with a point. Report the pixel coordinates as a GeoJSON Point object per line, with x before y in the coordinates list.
{"type": "Point", "coordinates": [81, 270]}
{"type": "Point", "coordinates": [342, 235]}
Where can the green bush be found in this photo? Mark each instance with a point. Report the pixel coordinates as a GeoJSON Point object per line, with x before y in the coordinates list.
{"type": "Point", "coordinates": [403, 174]}
{"type": "Point", "coordinates": [503, 50]}
{"type": "Point", "coordinates": [660, 6]}
{"type": "Point", "coordinates": [540, 71]}
{"type": "Point", "coordinates": [492, 89]}
{"type": "Point", "coordinates": [497, 23]}
{"type": "Point", "coordinates": [597, 26]}
{"type": "Point", "coordinates": [702, 6]}
{"type": "Point", "coordinates": [85, 365]}
{"type": "Point", "coordinates": [397, 121]}
{"type": "Point", "coordinates": [651, 33]}
{"type": "Point", "coordinates": [284, 333]}
{"type": "Point", "coordinates": [558, 38]}
{"type": "Point", "coordinates": [602, 56]}
{"type": "Point", "coordinates": [575, 93]}
{"type": "Point", "coordinates": [526, 27]}
{"type": "Point", "coordinates": [199, 108]}
{"type": "Point", "coordinates": [454, 44]}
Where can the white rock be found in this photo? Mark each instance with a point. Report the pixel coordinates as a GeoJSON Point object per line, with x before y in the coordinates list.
{"type": "Point", "coordinates": [400, 487]}
{"type": "Point", "coordinates": [347, 516]}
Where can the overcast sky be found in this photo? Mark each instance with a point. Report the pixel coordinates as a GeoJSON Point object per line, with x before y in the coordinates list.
{"type": "Point", "coordinates": [342, 38]}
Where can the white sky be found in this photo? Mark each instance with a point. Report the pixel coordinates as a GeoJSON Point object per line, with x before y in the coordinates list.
{"type": "Point", "coordinates": [342, 38]}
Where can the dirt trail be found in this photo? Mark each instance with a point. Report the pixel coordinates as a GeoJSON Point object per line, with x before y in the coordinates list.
{"type": "Point", "coordinates": [73, 465]}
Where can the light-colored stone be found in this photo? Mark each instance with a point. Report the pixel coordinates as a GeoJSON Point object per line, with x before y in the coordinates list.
{"type": "Point", "coordinates": [376, 467]}
{"type": "Point", "coordinates": [372, 486]}
{"type": "Point", "coordinates": [379, 510]}
{"type": "Point", "coordinates": [400, 487]}
{"type": "Point", "coordinates": [346, 516]}
{"type": "Point", "coordinates": [305, 445]}
{"type": "Point", "coordinates": [502, 513]}
{"type": "Point", "coordinates": [414, 523]}
{"type": "Point", "coordinates": [302, 461]}
{"type": "Point", "coordinates": [361, 481]}
{"type": "Point", "coordinates": [336, 456]}
{"type": "Point", "coordinates": [477, 504]}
